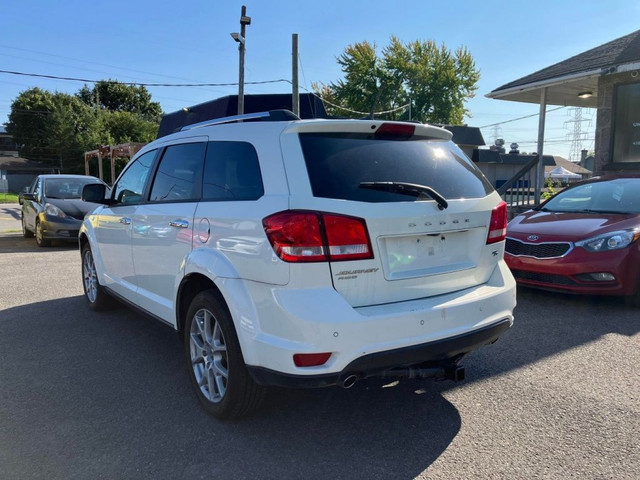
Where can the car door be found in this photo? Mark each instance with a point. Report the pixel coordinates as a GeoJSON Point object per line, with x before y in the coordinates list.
{"type": "Point", "coordinates": [162, 233]}
{"type": "Point", "coordinates": [113, 226]}
{"type": "Point", "coordinates": [31, 208]}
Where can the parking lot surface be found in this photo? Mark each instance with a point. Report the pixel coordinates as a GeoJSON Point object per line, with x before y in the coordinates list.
{"type": "Point", "coordinates": [106, 395]}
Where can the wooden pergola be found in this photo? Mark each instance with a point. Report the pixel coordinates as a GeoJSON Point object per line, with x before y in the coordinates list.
{"type": "Point", "coordinates": [124, 150]}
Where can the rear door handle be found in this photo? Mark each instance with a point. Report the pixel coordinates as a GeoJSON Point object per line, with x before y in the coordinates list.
{"type": "Point", "coordinates": [125, 221]}
{"type": "Point", "coordinates": [179, 223]}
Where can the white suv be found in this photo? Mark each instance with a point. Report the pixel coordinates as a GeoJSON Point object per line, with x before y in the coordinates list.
{"type": "Point", "coordinates": [304, 253]}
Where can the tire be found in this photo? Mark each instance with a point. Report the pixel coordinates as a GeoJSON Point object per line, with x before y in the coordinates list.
{"type": "Point", "coordinates": [97, 298]}
{"type": "Point", "coordinates": [40, 240]}
{"type": "Point", "coordinates": [214, 359]}
{"type": "Point", "coordinates": [26, 233]}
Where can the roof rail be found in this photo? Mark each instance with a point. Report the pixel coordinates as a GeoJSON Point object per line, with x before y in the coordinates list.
{"type": "Point", "coordinates": [270, 116]}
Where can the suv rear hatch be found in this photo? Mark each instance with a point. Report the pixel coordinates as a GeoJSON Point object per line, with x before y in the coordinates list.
{"type": "Point", "coordinates": [426, 208]}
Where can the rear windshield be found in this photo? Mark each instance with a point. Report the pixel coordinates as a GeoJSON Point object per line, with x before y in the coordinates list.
{"type": "Point", "coordinates": [337, 163]}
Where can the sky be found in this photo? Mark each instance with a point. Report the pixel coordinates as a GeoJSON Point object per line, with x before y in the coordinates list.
{"type": "Point", "coordinates": [189, 42]}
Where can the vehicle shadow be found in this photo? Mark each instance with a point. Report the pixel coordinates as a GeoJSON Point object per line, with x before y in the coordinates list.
{"type": "Point", "coordinates": [19, 244]}
{"type": "Point", "coordinates": [11, 211]}
{"type": "Point", "coordinates": [88, 395]}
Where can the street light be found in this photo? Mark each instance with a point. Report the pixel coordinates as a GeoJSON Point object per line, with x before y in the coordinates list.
{"type": "Point", "coordinates": [238, 38]}
{"type": "Point", "coordinates": [241, 39]}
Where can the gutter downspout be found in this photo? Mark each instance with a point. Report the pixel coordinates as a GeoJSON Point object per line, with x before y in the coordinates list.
{"type": "Point", "coordinates": [540, 171]}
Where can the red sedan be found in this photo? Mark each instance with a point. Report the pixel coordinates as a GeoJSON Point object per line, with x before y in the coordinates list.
{"type": "Point", "coordinates": [583, 240]}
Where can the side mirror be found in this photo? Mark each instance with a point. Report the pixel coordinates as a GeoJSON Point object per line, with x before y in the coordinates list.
{"type": "Point", "coordinates": [95, 193]}
{"type": "Point", "coordinates": [28, 196]}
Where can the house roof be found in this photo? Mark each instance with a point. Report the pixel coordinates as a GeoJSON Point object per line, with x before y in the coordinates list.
{"type": "Point", "coordinates": [568, 165]}
{"type": "Point", "coordinates": [19, 164]}
{"type": "Point", "coordinates": [576, 74]}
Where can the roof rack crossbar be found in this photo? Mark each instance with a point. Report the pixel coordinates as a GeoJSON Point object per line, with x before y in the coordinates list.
{"type": "Point", "coordinates": [273, 115]}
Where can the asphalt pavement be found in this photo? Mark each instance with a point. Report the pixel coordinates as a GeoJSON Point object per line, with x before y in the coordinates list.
{"type": "Point", "coordinates": [10, 219]}
{"type": "Point", "coordinates": [106, 395]}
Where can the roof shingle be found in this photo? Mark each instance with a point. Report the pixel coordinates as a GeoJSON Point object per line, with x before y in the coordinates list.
{"type": "Point", "coordinates": [617, 52]}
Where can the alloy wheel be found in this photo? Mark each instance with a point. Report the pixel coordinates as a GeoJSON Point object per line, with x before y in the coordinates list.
{"type": "Point", "coordinates": [208, 352]}
{"type": "Point", "coordinates": [90, 277]}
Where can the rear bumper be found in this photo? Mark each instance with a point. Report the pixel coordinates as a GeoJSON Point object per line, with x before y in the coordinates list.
{"type": "Point", "coordinates": [439, 353]}
{"type": "Point", "coordinates": [365, 339]}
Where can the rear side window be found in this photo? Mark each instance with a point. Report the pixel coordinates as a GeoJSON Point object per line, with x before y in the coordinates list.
{"type": "Point", "coordinates": [337, 163]}
{"type": "Point", "coordinates": [178, 174]}
{"type": "Point", "coordinates": [231, 172]}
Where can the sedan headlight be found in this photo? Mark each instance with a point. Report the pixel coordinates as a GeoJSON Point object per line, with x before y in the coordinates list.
{"type": "Point", "coordinates": [53, 211]}
{"type": "Point", "coordinates": [610, 241]}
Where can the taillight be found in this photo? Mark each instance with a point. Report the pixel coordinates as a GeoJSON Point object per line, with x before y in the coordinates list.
{"type": "Point", "coordinates": [498, 224]}
{"type": "Point", "coordinates": [307, 236]}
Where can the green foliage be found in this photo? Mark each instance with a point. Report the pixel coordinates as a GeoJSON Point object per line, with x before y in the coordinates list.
{"type": "Point", "coordinates": [57, 128]}
{"type": "Point", "coordinates": [550, 189]}
{"type": "Point", "coordinates": [436, 81]}
{"type": "Point", "coordinates": [125, 127]}
{"type": "Point", "coordinates": [119, 97]}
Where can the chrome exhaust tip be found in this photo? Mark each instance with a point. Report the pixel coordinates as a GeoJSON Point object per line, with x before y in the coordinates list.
{"type": "Point", "coordinates": [349, 381]}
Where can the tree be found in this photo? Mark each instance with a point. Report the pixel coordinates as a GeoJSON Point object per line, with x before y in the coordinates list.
{"type": "Point", "coordinates": [57, 128]}
{"type": "Point", "coordinates": [434, 81]}
{"type": "Point", "coordinates": [51, 127]}
{"type": "Point", "coordinates": [125, 127]}
{"type": "Point", "coordinates": [29, 121]}
{"type": "Point", "coordinates": [368, 85]}
{"type": "Point", "coordinates": [119, 97]}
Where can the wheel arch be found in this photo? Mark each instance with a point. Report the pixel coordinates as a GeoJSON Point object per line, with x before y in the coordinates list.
{"type": "Point", "coordinates": [191, 286]}
{"type": "Point", "coordinates": [234, 296]}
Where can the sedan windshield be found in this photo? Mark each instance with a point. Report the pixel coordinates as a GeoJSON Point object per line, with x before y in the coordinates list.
{"type": "Point", "coordinates": [65, 188]}
{"type": "Point", "coordinates": [621, 195]}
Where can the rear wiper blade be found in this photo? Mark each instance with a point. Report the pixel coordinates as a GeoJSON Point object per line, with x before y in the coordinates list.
{"type": "Point", "coordinates": [413, 189]}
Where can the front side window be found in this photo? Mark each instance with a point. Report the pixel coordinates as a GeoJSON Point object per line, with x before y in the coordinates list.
{"type": "Point", "coordinates": [231, 172]}
{"type": "Point", "coordinates": [338, 163]}
{"type": "Point", "coordinates": [36, 188]}
{"type": "Point", "coordinates": [130, 186]}
{"type": "Point", "coordinates": [177, 178]}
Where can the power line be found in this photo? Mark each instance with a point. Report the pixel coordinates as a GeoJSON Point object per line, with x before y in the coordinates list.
{"type": "Point", "coordinates": [90, 62]}
{"type": "Point", "coordinates": [140, 84]}
{"type": "Point", "coordinates": [520, 118]}
{"type": "Point", "coordinates": [85, 80]}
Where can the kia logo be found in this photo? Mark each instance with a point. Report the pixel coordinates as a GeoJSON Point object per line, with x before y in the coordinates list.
{"type": "Point", "coordinates": [533, 238]}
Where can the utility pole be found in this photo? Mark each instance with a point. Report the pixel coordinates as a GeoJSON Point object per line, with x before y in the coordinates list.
{"type": "Point", "coordinates": [240, 38]}
{"type": "Point", "coordinates": [295, 101]}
